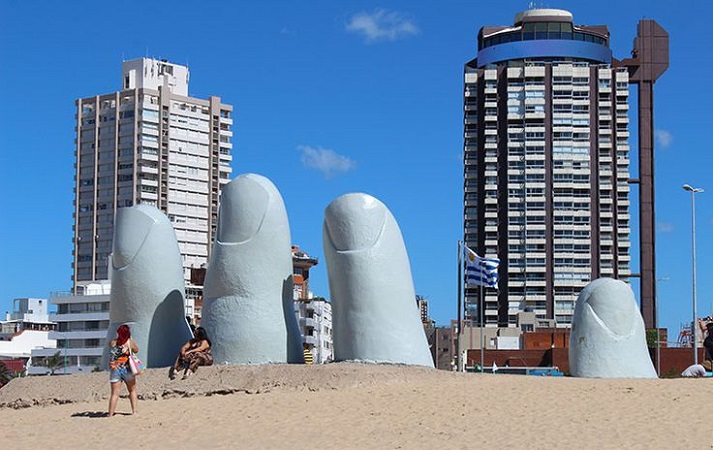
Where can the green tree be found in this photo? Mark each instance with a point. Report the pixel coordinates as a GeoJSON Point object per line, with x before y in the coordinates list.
{"type": "Point", "coordinates": [5, 374]}
{"type": "Point", "coordinates": [651, 337]}
{"type": "Point", "coordinates": [53, 362]}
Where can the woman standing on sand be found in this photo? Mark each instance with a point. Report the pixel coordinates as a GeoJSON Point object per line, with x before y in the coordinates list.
{"type": "Point", "coordinates": [119, 351]}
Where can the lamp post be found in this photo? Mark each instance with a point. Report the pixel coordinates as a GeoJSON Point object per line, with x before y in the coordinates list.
{"type": "Point", "coordinates": [694, 324]}
{"type": "Point", "coordinates": [658, 327]}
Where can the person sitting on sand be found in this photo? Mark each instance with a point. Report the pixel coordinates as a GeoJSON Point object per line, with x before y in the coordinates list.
{"type": "Point", "coordinates": [119, 351]}
{"type": "Point", "coordinates": [694, 371]}
{"type": "Point", "coordinates": [194, 353]}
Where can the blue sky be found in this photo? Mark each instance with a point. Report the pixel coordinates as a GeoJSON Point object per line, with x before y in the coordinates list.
{"type": "Point", "coordinates": [330, 98]}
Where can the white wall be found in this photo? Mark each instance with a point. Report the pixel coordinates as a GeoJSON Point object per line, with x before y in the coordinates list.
{"type": "Point", "coordinates": [22, 344]}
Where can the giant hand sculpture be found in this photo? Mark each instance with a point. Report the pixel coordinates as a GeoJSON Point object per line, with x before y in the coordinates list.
{"type": "Point", "coordinates": [608, 338]}
{"type": "Point", "coordinates": [248, 308]}
{"type": "Point", "coordinates": [374, 312]}
{"type": "Point", "coordinates": [147, 288]}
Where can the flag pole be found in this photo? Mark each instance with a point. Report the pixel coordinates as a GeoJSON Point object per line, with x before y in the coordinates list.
{"type": "Point", "coordinates": [460, 303]}
{"type": "Point", "coordinates": [482, 325]}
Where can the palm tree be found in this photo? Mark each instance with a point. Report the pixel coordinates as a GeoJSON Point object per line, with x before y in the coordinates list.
{"type": "Point", "coordinates": [52, 362]}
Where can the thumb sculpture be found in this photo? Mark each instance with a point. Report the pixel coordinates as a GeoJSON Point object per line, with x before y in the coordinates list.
{"type": "Point", "coordinates": [374, 312]}
{"type": "Point", "coordinates": [147, 287]}
{"type": "Point", "coordinates": [247, 303]}
{"type": "Point", "coordinates": [608, 339]}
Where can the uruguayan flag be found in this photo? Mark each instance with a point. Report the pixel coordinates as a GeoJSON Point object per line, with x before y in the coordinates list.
{"type": "Point", "coordinates": [480, 271]}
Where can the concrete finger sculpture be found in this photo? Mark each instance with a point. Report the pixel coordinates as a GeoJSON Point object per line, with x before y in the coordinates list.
{"type": "Point", "coordinates": [248, 308]}
{"type": "Point", "coordinates": [147, 287]}
{"type": "Point", "coordinates": [374, 312]}
{"type": "Point", "coordinates": [608, 339]}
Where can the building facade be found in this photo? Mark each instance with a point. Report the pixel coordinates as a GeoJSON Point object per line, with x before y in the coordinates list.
{"type": "Point", "coordinates": [82, 320]}
{"type": "Point", "coordinates": [149, 143]}
{"type": "Point", "coordinates": [314, 317]}
{"type": "Point", "coordinates": [314, 314]}
{"type": "Point", "coordinates": [546, 165]}
{"type": "Point", "coordinates": [25, 329]}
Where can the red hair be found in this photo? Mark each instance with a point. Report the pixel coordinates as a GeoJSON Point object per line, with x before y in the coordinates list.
{"type": "Point", "coordinates": [123, 334]}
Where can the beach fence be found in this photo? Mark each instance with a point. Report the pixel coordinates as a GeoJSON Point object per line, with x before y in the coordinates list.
{"type": "Point", "coordinates": [674, 360]}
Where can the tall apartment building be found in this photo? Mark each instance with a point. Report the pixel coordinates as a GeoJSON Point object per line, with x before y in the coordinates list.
{"type": "Point", "coordinates": [546, 164]}
{"type": "Point", "coordinates": [149, 143]}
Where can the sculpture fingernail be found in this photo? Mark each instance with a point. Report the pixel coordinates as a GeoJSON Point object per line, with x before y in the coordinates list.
{"type": "Point", "coordinates": [351, 232]}
{"type": "Point", "coordinates": [241, 217]}
{"type": "Point", "coordinates": [128, 245]}
{"type": "Point", "coordinates": [614, 313]}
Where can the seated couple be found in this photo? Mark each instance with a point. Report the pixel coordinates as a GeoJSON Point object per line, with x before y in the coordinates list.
{"type": "Point", "coordinates": [194, 353]}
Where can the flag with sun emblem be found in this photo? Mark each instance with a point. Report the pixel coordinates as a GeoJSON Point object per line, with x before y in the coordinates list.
{"type": "Point", "coordinates": [480, 271]}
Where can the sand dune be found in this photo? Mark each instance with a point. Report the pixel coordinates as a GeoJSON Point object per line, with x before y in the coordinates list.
{"type": "Point", "coordinates": [348, 406]}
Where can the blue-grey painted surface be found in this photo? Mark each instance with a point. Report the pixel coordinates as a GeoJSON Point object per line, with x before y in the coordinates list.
{"type": "Point", "coordinates": [248, 309]}
{"type": "Point", "coordinates": [374, 312]}
{"type": "Point", "coordinates": [147, 287]}
{"type": "Point", "coordinates": [608, 339]}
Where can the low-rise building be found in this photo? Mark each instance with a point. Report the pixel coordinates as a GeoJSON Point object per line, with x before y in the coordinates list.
{"type": "Point", "coordinates": [314, 314]}
{"type": "Point", "coordinates": [440, 343]}
{"type": "Point", "coordinates": [314, 317]}
{"type": "Point", "coordinates": [82, 319]}
{"type": "Point", "coordinates": [24, 330]}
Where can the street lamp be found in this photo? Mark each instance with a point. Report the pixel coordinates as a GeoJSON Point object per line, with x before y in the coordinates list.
{"type": "Point", "coordinates": [694, 324]}
{"type": "Point", "coordinates": [658, 327]}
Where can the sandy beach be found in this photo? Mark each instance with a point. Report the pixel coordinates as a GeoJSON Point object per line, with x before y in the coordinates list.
{"type": "Point", "coordinates": [347, 406]}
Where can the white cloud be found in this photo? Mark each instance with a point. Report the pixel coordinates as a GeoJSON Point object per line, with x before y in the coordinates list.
{"type": "Point", "coordinates": [663, 138]}
{"type": "Point", "coordinates": [325, 160]}
{"type": "Point", "coordinates": [381, 25]}
{"type": "Point", "coordinates": [664, 227]}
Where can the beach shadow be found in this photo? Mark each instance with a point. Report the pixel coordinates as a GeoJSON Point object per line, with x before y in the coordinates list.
{"type": "Point", "coordinates": [97, 414]}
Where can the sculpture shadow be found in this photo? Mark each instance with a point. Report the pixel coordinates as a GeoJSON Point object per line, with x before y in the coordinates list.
{"type": "Point", "coordinates": [294, 349]}
{"type": "Point", "coordinates": [168, 331]}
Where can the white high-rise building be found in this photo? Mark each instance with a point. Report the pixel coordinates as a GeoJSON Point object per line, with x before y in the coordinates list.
{"type": "Point", "coordinates": [149, 143]}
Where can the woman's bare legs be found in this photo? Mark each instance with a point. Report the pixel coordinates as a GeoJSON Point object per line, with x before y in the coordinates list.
{"type": "Point", "coordinates": [133, 397]}
{"type": "Point", "coordinates": [115, 386]}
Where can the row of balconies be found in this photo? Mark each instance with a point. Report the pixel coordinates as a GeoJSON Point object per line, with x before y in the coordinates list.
{"type": "Point", "coordinates": [90, 351]}
{"type": "Point", "coordinates": [80, 334]}
{"type": "Point", "coordinates": [79, 317]}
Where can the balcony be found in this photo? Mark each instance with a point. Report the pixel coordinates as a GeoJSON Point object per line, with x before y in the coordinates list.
{"type": "Point", "coordinates": [87, 351]}
{"type": "Point", "coordinates": [308, 322]}
{"type": "Point", "coordinates": [79, 317]}
{"type": "Point", "coordinates": [79, 334]}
